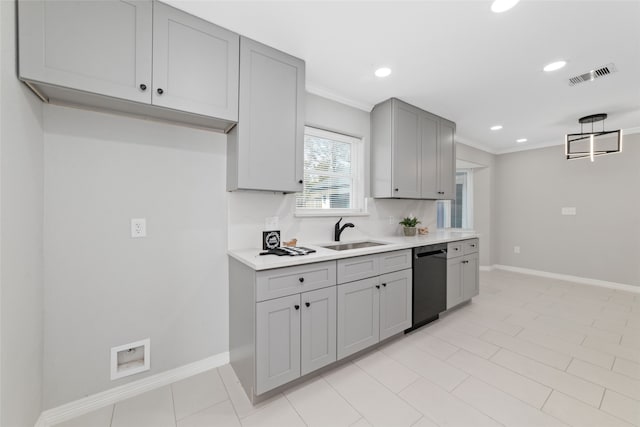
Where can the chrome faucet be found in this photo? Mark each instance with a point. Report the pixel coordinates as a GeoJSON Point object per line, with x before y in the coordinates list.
{"type": "Point", "coordinates": [338, 230]}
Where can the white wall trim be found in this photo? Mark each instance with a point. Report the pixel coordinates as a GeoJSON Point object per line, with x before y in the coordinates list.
{"type": "Point", "coordinates": [316, 90]}
{"type": "Point", "coordinates": [96, 401]}
{"type": "Point", "coordinates": [567, 277]}
{"type": "Point", "coordinates": [487, 267]}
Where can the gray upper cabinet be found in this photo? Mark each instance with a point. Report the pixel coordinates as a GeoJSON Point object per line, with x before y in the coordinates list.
{"type": "Point", "coordinates": [412, 153]}
{"type": "Point", "coordinates": [405, 168]}
{"type": "Point", "coordinates": [447, 160]}
{"type": "Point", "coordinates": [76, 44]}
{"type": "Point", "coordinates": [195, 64]}
{"type": "Point", "coordinates": [429, 156]}
{"type": "Point", "coordinates": [137, 57]}
{"type": "Point", "coordinates": [265, 150]}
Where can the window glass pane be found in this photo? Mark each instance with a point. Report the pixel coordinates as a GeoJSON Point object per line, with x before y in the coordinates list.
{"type": "Point", "coordinates": [322, 154]}
{"type": "Point", "coordinates": [329, 171]}
{"type": "Point", "coordinates": [457, 213]}
{"type": "Point", "coordinates": [325, 192]}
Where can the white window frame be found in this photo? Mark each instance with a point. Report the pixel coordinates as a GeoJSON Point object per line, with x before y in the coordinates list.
{"type": "Point", "coordinates": [467, 213]}
{"type": "Point", "coordinates": [358, 201]}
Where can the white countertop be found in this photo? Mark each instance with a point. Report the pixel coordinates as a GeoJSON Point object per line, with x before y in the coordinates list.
{"type": "Point", "coordinates": [252, 258]}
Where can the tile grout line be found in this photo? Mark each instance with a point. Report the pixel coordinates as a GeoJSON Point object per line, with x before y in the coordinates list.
{"type": "Point", "coordinates": [173, 405]}
{"type": "Point", "coordinates": [295, 410]}
{"type": "Point", "coordinates": [338, 391]}
{"type": "Point", "coordinates": [226, 389]}
{"type": "Point", "coordinates": [113, 412]}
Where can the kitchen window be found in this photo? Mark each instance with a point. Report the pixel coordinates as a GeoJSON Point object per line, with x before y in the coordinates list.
{"type": "Point", "coordinates": [333, 175]}
{"type": "Point", "coordinates": [458, 213]}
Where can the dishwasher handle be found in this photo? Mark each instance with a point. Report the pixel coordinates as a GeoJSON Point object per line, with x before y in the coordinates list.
{"type": "Point", "coordinates": [438, 252]}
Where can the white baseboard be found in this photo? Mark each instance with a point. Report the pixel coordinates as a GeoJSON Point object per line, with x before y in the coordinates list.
{"type": "Point", "coordinates": [487, 267]}
{"type": "Point", "coordinates": [569, 278]}
{"type": "Point", "coordinates": [91, 403]}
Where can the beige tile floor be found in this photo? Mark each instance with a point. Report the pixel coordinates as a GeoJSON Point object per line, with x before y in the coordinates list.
{"type": "Point", "coordinates": [528, 351]}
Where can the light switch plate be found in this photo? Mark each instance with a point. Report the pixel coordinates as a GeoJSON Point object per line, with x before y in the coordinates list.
{"type": "Point", "coordinates": [569, 211]}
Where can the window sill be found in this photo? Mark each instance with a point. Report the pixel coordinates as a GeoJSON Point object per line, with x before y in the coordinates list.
{"type": "Point", "coordinates": [328, 213]}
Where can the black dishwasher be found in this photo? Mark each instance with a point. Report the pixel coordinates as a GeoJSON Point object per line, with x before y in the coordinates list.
{"type": "Point", "coordinates": [429, 283]}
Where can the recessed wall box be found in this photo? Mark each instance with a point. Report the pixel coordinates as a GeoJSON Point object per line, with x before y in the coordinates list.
{"type": "Point", "coordinates": [130, 359]}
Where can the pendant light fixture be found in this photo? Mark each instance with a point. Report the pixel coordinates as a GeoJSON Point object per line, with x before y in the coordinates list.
{"type": "Point", "coordinates": [595, 143]}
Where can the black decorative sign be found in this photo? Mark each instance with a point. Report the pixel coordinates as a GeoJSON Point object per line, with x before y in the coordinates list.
{"type": "Point", "coordinates": [271, 239]}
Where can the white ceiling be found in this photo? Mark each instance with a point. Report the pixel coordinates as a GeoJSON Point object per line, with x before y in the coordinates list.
{"type": "Point", "coordinates": [459, 60]}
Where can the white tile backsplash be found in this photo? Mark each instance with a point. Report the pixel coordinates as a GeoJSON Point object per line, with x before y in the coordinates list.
{"type": "Point", "coordinates": [248, 210]}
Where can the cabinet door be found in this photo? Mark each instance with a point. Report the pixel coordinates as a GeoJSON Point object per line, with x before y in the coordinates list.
{"type": "Point", "coordinates": [429, 157]}
{"type": "Point", "coordinates": [277, 342]}
{"type": "Point", "coordinates": [395, 302]}
{"type": "Point", "coordinates": [454, 282]}
{"type": "Point", "coordinates": [318, 329]}
{"type": "Point", "coordinates": [103, 47]}
{"type": "Point", "coordinates": [470, 279]}
{"type": "Point", "coordinates": [271, 129]}
{"type": "Point", "coordinates": [406, 150]}
{"type": "Point", "coordinates": [195, 64]}
{"type": "Point", "coordinates": [358, 316]}
{"type": "Point", "coordinates": [447, 160]}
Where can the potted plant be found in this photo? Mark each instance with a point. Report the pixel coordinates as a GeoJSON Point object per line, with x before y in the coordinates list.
{"type": "Point", "coordinates": [409, 223]}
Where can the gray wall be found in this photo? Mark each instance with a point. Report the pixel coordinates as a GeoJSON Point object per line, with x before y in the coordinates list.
{"type": "Point", "coordinates": [601, 242]}
{"type": "Point", "coordinates": [103, 288]}
{"type": "Point", "coordinates": [483, 184]}
{"type": "Point", "coordinates": [21, 190]}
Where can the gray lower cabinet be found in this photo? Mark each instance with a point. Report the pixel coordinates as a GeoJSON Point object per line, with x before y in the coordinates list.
{"type": "Point", "coordinates": [358, 316]}
{"type": "Point", "coordinates": [288, 322]}
{"type": "Point", "coordinates": [318, 329]}
{"type": "Point", "coordinates": [282, 323]}
{"type": "Point", "coordinates": [462, 272]}
{"type": "Point", "coordinates": [277, 342]}
{"type": "Point", "coordinates": [135, 56]}
{"type": "Point", "coordinates": [470, 276]}
{"type": "Point", "coordinates": [377, 304]}
{"type": "Point", "coordinates": [395, 302]}
{"type": "Point", "coordinates": [295, 335]}
{"type": "Point", "coordinates": [264, 152]}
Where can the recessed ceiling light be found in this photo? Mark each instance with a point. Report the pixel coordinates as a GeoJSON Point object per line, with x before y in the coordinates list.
{"type": "Point", "coordinates": [554, 66]}
{"type": "Point", "coordinates": [499, 6]}
{"type": "Point", "coordinates": [496, 127]}
{"type": "Point", "coordinates": [383, 72]}
{"type": "Point", "coordinates": [521, 140]}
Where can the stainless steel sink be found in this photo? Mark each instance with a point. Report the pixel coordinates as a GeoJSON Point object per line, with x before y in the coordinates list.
{"type": "Point", "coordinates": [355, 245]}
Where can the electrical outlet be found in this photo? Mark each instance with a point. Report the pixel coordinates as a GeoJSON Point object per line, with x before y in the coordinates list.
{"type": "Point", "coordinates": [393, 220]}
{"type": "Point", "coordinates": [568, 211]}
{"type": "Point", "coordinates": [272, 223]}
{"type": "Point", "coordinates": [516, 249]}
{"type": "Point", "coordinates": [138, 227]}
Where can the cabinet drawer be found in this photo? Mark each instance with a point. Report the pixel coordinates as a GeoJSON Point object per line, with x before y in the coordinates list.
{"type": "Point", "coordinates": [454, 249]}
{"type": "Point", "coordinates": [357, 268]}
{"type": "Point", "coordinates": [395, 261]}
{"type": "Point", "coordinates": [292, 280]}
{"type": "Point", "coordinates": [470, 246]}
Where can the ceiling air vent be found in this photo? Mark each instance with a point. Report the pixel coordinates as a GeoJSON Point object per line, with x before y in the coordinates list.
{"type": "Point", "coordinates": [596, 73]}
